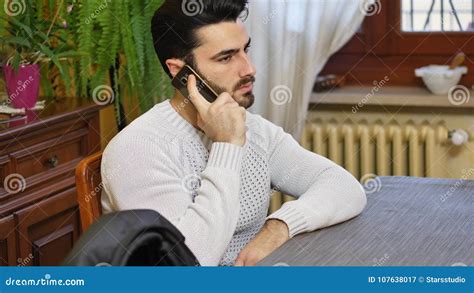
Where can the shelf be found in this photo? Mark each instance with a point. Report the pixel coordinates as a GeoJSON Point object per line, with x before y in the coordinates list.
{"type": "Point", "coordinates": [388, 96]}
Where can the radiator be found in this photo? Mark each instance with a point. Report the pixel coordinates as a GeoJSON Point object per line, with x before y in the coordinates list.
{"type": "Point", "coordinates": [376, 148]}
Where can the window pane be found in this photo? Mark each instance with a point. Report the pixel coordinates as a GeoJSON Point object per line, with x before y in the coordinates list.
{"type": "Point", "coordinates": [437, 15]}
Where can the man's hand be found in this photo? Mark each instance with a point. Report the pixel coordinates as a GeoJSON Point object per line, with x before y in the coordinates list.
{"type": "Point", "coordinates": [273, 234]}
{"type": "Point", "coordinates": [223, 120]}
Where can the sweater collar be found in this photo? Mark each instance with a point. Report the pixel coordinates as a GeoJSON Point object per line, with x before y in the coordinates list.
{"type": "Point", "coordinates": [182, 124]}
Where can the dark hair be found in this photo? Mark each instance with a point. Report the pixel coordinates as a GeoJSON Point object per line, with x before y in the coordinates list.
{"type": "Point", "coordinates": [174, 25]}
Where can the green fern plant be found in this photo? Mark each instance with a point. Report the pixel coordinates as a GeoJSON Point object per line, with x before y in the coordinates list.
{"type": "Point", "coordinates": [118, 38]}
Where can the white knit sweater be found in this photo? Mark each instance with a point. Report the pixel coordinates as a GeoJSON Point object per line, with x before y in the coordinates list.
{"type": "Point", "coordinates": [217, 194]}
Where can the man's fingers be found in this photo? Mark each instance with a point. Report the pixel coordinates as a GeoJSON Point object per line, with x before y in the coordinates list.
{"type": "Point", "coordinates": [224, 99]}
{"type": "Point", "coordinates": [239, 263]}
{"type": "Point", "coordinates": [196, 98]}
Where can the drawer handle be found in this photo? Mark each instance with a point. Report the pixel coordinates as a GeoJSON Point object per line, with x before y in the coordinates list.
{"type": "Point", "coordinates": [53, 161]}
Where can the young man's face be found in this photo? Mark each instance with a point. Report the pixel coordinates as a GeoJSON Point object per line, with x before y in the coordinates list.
{"type": "Point", "coordinates": [223, 61]}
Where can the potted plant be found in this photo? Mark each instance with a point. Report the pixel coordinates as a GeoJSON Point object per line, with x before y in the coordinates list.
{"type": "Point", "coordinates": [29, 47]}
{"type": "Point", "coordinates": [113, 38]}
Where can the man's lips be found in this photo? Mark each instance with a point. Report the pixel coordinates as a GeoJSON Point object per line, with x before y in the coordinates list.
{"type": "Point", "coordinates": [246, 87]}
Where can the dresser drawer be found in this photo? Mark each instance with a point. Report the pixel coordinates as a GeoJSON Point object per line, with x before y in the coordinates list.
{"type": "Point", "coordinates": [39, 165]}
{"type": "Point", "coordinates": [50, 154]}
{"type": "Point", "coordinates": [21, 140]}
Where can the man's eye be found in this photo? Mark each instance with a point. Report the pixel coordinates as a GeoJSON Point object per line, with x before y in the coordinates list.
{"type": "Point", "coordinates": [225, 59]}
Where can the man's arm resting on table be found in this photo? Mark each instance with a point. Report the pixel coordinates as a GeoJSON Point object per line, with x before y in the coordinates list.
{"type": "Point", "coordinates": [327, 194]}
{"type": "Point", "coordinates": [273, 234]}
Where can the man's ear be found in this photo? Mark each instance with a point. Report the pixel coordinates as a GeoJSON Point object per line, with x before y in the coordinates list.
{"type": "Point", "coordinates": [174, 65]}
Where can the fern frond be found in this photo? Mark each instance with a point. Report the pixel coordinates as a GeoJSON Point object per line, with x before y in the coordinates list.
{"type": "Point", "coordinates": [85, 43]}
{"type": "Point", "coordinates": [137, 24]}
{"type": "Point", "coordinates": [131, 54]}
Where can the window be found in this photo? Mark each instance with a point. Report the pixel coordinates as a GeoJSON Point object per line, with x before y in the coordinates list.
{"type": "Point", "coordinates": [387, 45]}
{"type": "Point", "coordinates": [437, 15]}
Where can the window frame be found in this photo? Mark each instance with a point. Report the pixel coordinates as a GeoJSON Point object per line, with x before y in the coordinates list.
{"type": "Point", "coordinates": [383, 48]}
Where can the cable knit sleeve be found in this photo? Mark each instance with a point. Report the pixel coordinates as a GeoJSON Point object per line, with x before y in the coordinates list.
{"type": "Point", "coordinates": [327, 194]}
{"type": "Point", "coordinates": [139, 173]}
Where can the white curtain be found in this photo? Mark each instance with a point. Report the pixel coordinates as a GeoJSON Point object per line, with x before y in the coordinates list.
{"type": "Point", "coordinates": [291, 42]}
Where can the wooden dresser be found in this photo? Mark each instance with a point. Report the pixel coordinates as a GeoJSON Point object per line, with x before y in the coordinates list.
{"type": "Point", "coordinates": [39, 216]}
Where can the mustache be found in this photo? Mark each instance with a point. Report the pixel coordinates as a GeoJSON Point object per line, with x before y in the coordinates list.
{"type": "Point", "coordinates": [244, 81]}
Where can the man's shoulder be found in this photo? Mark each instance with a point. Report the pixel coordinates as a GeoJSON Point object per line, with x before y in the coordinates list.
{"type": "Point", "coordinates": [261, 125]}
{"type": "Point", "coordinates": [263, 130]}
{"type": "Point", "coordinates": [147, 132]}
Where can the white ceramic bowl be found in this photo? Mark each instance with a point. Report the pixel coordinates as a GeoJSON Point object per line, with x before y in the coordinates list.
{"type": "Point", "coordinates": [439, 78]}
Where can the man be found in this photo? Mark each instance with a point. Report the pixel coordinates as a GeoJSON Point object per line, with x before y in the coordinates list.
{"type": "Point", "coordinates": [209, 168]}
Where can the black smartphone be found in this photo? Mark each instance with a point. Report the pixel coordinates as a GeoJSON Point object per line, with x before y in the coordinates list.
{"type": "Point", "coordinates": [180, 82]}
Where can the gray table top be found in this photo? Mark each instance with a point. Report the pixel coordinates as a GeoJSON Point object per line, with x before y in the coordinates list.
{"type": "Point", "coordinates": [408, 221]}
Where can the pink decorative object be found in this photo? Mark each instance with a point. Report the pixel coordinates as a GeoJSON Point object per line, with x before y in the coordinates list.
{"type": "Point", "coordinates": [22, 86]}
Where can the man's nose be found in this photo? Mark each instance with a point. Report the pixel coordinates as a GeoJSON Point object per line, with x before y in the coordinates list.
{"type": "Point", "coordinates": [248, 69]}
